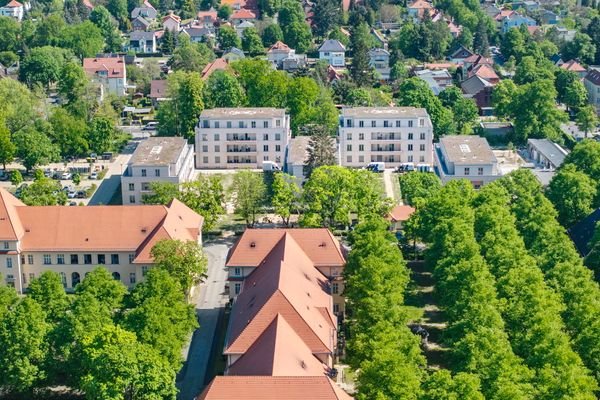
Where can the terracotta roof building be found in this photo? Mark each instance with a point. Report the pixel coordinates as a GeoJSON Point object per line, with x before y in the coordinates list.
{"type": "Point", "coordinates": [108, 72]}
{"type": "Point", "coordinates": [74, 240]}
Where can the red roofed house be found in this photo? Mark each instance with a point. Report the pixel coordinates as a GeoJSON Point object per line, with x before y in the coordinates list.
{"type": "Point", "coordinates": [321, 247]}
{"type": "Point", "coordinates": [419, 8]}
{"type": "Point", "coordinates": [242, 15]}
{"type": "Point", "coordinates": [486, 72]}
{"type": "Point", "coordinates": [73, 241]}
{"type": "Point", "coordinates": [13, 9]}
{"type": "Point", "coordinates": [398, 215]}
{"type": "Point", "coordinates": [109, 73]}
{"type": "Point", "coordinates": [158, 91]}
{"type": "Point", "coordinates": [207, 18]}
{"type": "Point", "coordinates": [574, 66]}
{"type": "Point", "coordinates": [171, 22]}
{"type": "Point", "coordinates": [279, 52]}
{"type": "Point", "coordinates": [220, 64]}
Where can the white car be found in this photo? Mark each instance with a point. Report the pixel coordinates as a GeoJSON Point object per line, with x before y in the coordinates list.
{"type": "Point", "coordinates": [66, 175]}
{"type": "Point", "coordinates": [94, 175]}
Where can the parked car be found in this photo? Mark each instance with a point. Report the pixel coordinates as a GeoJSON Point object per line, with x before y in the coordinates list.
{"type": "Point", "coordinates": [72, 203]}
{"type": "Point", "coordinates": [4, 176]}
{"type": "Point", "coordinates": [66, 175]}
{"type": "Point", "coordinates": [48, 173]}
{"type": "Point", "coordinates": [71, 195]}
{"type": "Point", "coordinates": [81, 194]}
{"type": "Point", "coordinates": [150, 126]}
{"type": "Point", "coordinates": [94, 175]}
{"type": "Point", "coordinates": [376, 166]}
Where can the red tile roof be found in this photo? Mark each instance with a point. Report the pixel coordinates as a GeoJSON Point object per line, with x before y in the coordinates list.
{"type": "Point", "coordinates": [255, 244]}
{"type": "Point", "coordinates": [288, 284]}
{"type": "Point", "coordinates": [203, 14]}
{"type": "Point", "coordinates": [218, 64]}
{"type": "Point", "coordinates": [401, 213]}
{"type": "Point", "coordinates": [280, 46]}
{"type": "Point", "coordinates": [174, 17]}
{"type": "Point", "coordinates": [114, 66]}
{"type": "Point", "coordinates": [158, 89]}
{"type": "Point", "coordinates": [486, 72]}
{"type": "Point", "coordinates": [574, 66]}
{"type": "Point", "coordinates": [273, 388]}
{"type": "Point", "coordinates": [243, 14]}
{"type": "Point", "coordinates": [421, 4]}
{"type": "Point", "coordinates": [14, 4]}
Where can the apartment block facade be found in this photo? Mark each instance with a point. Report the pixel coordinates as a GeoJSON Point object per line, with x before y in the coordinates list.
{"type": "Point", "coordinates": [73, 241]}
{"type": "Point", "coordinates": [241, 137]}
{"type": "Point", "coordinates": [156, 159]}
{"type": "Point", "coordinates": [394, 135]}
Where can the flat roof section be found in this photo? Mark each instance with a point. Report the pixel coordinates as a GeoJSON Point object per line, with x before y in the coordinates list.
{"type": "Point", "coordinates": [158, 151]}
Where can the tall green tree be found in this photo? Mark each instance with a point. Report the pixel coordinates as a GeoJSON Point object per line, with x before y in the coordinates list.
{"type": "Point", "coordinates": [42, 66]}
{"type": "Point", "coordinates": [179, 115]}
{"type": "Point", "coordinates": [321, 148]}
{"type": "Point", "coordinates": [44, 192]}
{"type": "Point", "coordinates": [222, 89]}
{"type": "Point", "coordinates": [7, 148]}
{"type": "Point", "coordinates": [272, 34]}
{"type": "Point", "coordinates": [249, 190]}
{"type": "Point", "coordinates": [48, 290]}
{"type": "Point", "coordinates": [69, 133]}
{"type": "Point", "coordinates": [84, 39]}
{"type": "Point", "coordinates": [228, 38]}
{"type": "Point", "coordinates": [360, 69]}
{"type": "Point", "coordinates": [101, 134]}
{"type": "Point", "coordinates": [287, 196]}
{"type": "Point", "coordinates": [326, 16]}
{"type": "Point", "coordinates": [251, 42]}
{"type": "Point", "coordinates": [586, 119]}
{"type": "Point", "coordinates": [34, 147]}
{"type": "Point", "coordinates": [573, 194]}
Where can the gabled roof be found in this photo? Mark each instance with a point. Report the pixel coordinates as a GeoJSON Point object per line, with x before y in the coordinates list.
{"type": "Point", "coordinates": [378, 51]}
{"type": "Point", "coordinates": [420, 4]}
{"type": "Point", "coordinates": [485, 71]}
{"type": "Point", "coordinates": [459, 51]}
{"type": "Point", "coordinates": [273, 388]}
{"type": "Point", "coordinates": [573, 65]}
{"type": "Point", "coordinates": [146, 10]}
{"type": "Point", "coordinates": [401, 213]}
{"type": "Point", "coordinates": [14, 4]}
{"type": "Point", "coordinates": [476, 59]}
{"type": "Point", "coordinates": [10, 224]}
{"type": "Point", "coordinates": [158, 89]}
{"type": "Point", "coordinates": [212, 14]}
{"type": "Point", "coordinates": [594, 77]}
{"type": "Point", "coordinates": [279, 46]}
{"type": "Point", "coordinates": [245, 24]}
{"type": "Point", "coordinates": [474, 85]}
{"type": "Point", "coordinates": [219, 64]}
{"type": "Point", "coordinates": [174, 17]}
{"type": "Point", "coordinates": [504, 13]}
{"type": "Point", "coordinates": [255, 244]}
{"type": "Point", "coordinates": [332, 45]}
{"type": "Point", "coordinates": [243, 14]}
{"type": "Point", "coordinates": [582, 232]}
{"type": "Point", "coordinates": [235, 51]}
{"type": "Point", "coordinates": [141, 20]}
{"type": "Point", "coordinates": [196, 31]}
{"type": "Point", "coordinates": [279, 351]}
{"type": "Point", "coordinates": [142, 35]}
{"type": "Point", "coordinates": [114, 66]}
{"type": "Point", "coordinates": [288, 284]}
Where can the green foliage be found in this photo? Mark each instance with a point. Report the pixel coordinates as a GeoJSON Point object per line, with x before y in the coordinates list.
{"type": "Point", "coordinates": [581, 48]}
{"type": "Point", "coordinates": [272, 34]}
{"type": "Point", "coordinates": [189, 56]}
{"type": "Point", "coordinates": [441, 385]}
{"type": "Point", "coordinates": [225, 12]}
{"type": "Point", "coordinates": [264, 86]}
{"type": "Point", "coordinates": [9, 34]}
{"type": "Point", "coordinates": [228, 38]}
{"type": "Point", "coordinates": [418, 185]}
{"type": "Point", "coordinates": [251, 42]}
{"type": "Point", "coordinates": [69, 133]}
{"type": "Point", "coordinates": [464, 110]}
{"type": "Point", "coordinates": [586, 119]}
{"type": "Point", "coordinates": [42, 66]}
{"type": "Point", "coordinates": [321, 148]}
{"type": "Point", "coordinates": [72, 82]}
{"type": "Point", "coordinates": [573, 194]}
{"type": "Point", "coordinates": [48, 291]}
{"type": "Point", "coordinates": [223, 90]}
{"type": "Point", "coordinates": [44, 192]}
{"type": "Point", "coordinates": [249, 190]}
{"type": "Point", "coordinates": [7, 148]}
{"type": "Point", "coordinates": [179, 115]}
{"type": "Point", "coordinates": [34, 147]}
{"type": "Point", "coordinates": [183, 260]}
{"type": "Point", "coordinates": [100, 285]}
{"type": "Point", "coordinates": [16, 178]}
{"type": "Point", "coordinates": [85, 39]}
{"type": "Point", "coordinates": [361, 71]}
{"type": "Point", "coordinates": [287, 195]}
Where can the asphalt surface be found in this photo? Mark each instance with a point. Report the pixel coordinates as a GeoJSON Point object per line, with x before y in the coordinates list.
{"type": "Point", "coordinates": [210, 300]}
{"type": "Point", "coordinates": [111, 180]}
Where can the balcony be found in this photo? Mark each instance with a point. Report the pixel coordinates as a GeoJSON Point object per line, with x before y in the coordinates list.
{"type": "Point", "coordinates": [241, 160]}
{"type": "Point", "coordinates": [385, 136]}
{"type": "Point", "coordinates": [240, 137]}
{"type": "Point", "coordinates": [385, 148]}
{"type": "Point", "coordinates": [241, 149]}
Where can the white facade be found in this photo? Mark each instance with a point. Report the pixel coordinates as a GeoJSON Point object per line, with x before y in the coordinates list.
{"type": "Point", "coordinates": [394, 135]}
{"type": "Point", "coordinates": [592, 85]}
{"type": "Point", "coordinates": [14, 10]}
{"type": "Point", "coordinates": [157, 159]}
{"type": "Point", "coordinates": [334, 58]}
{"type": "Point", "coordinates": [241, 137]}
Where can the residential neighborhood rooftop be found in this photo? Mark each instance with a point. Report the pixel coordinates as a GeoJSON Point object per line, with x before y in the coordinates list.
{"type": "Point", "coordinates": [384, 112]}
{"type": "Point", "coordinates": [462, 149]}
{"type": "Point", "coordinates": [158, 151]}
{"type": "Point", "coordinates": [243, 113]}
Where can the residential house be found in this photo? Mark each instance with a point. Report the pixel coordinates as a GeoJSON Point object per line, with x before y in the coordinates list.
{"type": "Point", "coordinates": [198, 34]}
{"type": "Point", "coordinates": [109, 73]}
{"type": "Point", "coordinates": [565, 34]}
{"type": "Point", "coordinates": [146, 11]}
{"type": "Point", "coordinates": [280, 52]}
{"type": "Point", "coordinates": [297, 157]}
{"type": "Point", "coordinates": [436, 80]}
{"type": "Point", "coordinates": [379, 59]}
{"type": "Point", "coordinates": [293, 63]}
{"type": "Point", "coordinates": [119, 238]}
{"type": "Point", "coordinates": [485, 71]}
{"type": "Point", "coordinates": [207, 19]}
{"type": "Point", "coordinates": [156, 159]}
{"type": "Point", "coordinates": [419, 8]}
{"type": "Point", "coordinates": [549, 18]}
{"type": "Point", "coordinates": [220, 64]}
{"type": "Point", "coordinates": [492, 10]}
{"type": "Point", "coordinates": [13, 9]}
{"type": "Point", "coordinates": [394, 135]}
{"type": "Point", "coordinates": [233, 54]}
{"type": "Point", "coordinates": [460, 54]}
{"type": "Point", "coordinates": [171, 22]}
{"type": "Point", "coordinates": [545, 153]}
{"type": "Point", "coordinates": [574, 66]}
{"type": "Point", "coordinates": [143, 42]}
{"type": "Point", "coordinates": [322, 250]}
{"type": "Point", "coordinates": [235, 4]}
{"type": "Point", "coordinates": [515, 20]}
{"type": "Point", "coordinates": [334, 52]}
{"type": "Point", "coordinates": [592, 85]}
{"type": "Point", "coordinates": [241, 137]}
{"type": "Point", "coordinates": [158, 91]}
{"type": "Point", "coordinates": [399, 215]}
{"type": "Point", "coordinates": [466, 157]}
{"type": "Point", "coordinates": [527, 5]}
{"type": "Point", "coordinates": [140, 24]}
{"type": "Point", "coordinates": [240, 28]}
{"type": "Point", "coordinates": [242, 15]}
{"type": "Point", "coordinates": [455, 30]}
{"type": "Point", "coordinates": [480, 90]}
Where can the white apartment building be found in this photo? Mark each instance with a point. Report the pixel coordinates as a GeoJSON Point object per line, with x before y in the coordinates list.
{"type": "Point", "coordinates": [156, 159]}
{"type": "Point", "coordinates": [241, 137]}
{"type": "Point", "coordinates": [73, 241]}
{"type": "Point", "coordinates": [394, 135]}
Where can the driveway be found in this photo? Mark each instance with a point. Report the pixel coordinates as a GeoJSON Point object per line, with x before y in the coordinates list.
{"type": "Point", "coordinates": [387, 181]}
{"type": "Point", "coordinates": [210, 301]}
{"type": "Point", "coordinates": [111, 180]}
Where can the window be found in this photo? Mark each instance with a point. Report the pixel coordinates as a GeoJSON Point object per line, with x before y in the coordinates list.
{"type": "Point", "coordinates": [143, 172]}
{"type": "Point", "coordinates": [241, 124]}
{"type": "Point", "coordinates": [237, 287]}
{"type": "Point", "coordinates": [265, 124]}
{"type": "Point", "coordinates": [6, 245]}
{"type": "Point", "coordinates": [278, 123]}
{"type": "Point", "coordinates": [421, 122]}
{"type": "Point", "coordinates": [204, 160]}
{"type": "Point", "coordinates": [422, 147]}
{"type": "Point", "coordinates": [361, 147]}
{"type": "Point", "coordinates": [101, 259]}
{"type": "Point", "coordinates": [145, 186]}
{"type": "Point", "coordinates": [114, 258]}
{"type": "Point", "coordinates": [132, 278]}
{"type": "Point", "coordinates": [63, 279]}
{"type": "Point", "coordinates": [9, 262]}
{"type": "Point", "coordinates": [336, 308]}
{"type": "Point", "coordinates": [348, 147]}
{"type": "Point", "coordinates": [361, 124]}
{"type": "Point", "coordinates": [410, 124]}
{"type": "Point", "coordinates": [410, 158]}
{"type": "Point", "coordinates": [204, 137]}
{"type": "Point", "coordinates": [60, 259]}
{"type": "Point", "coordinates": [237, 271]}
{"type": "Point", "coordinates": [265, 158]}
{"type": "Point", "coordinates": [217, 160]}
{"type": "Point", "coordinates": [480, 171]}
{"type": "Point", "coordinates": [348, 136]}
{"type": "Point", "coordinates": [349, 159]}
{"type": "Point", "coordinates": [132, 199]}
{"type": "Point", "coordinates": [217, 149]}
{"type": "Point", "coordinates": [157, 172]}
{"type": "Point", "coordinates": [74, 259]}
{"type": "Point", "coordinates": [131, 187]}
{"type": "Point", "coordinates": [385, 124]}
{"type": "Point", "coordinates": [22, 259]}
{"type": "Point", "coordinates": [205, 148]}
{"type": "Point", "coordinates": [47, 259]}
{"type": "Point", "coordinates": [373, 124]}
{"type": "Point", "coordinates": [422, 136]}
{"type": "Point", "coordinates": [278, 136]}
{"type": "Point", "coordinates": [31, 276]}
{"type": "Point", "coordinates": [205, 124]}
{"type": "Point", "coordinates": [253, 124]}
{"type": "Point", "coordinates": [29, 258]}
{"type": "Point", "coordinates": [87, 259]}
{"type": "Point", "coordinates": [361, 159]}
{"type": "Point", "coordinates": [361, 136]}
{"type": "Point", "coordinates": [410, 147]}
{"type": "Point", "coordinates": [398, 123]}
{"type": "Point", "coordinates": [131, 258]}
{"type": "Point", "coordinates": [217, 125]}
{"type": "Point", "coordinates": [266, 147]}
{"type": "Point", "coordinates": [277, 147]}
{"type": "Point", "coordinates": [265, 136]}
{"type": "Point", "coordinates": [144, 270]}
{"type": "Point", "coordinates": [335, 288]}
{"type": "Point", "coordinates": [467, 171]}
{"type": "Point", "coordinates": [229, 124]}
{"type": "Point", "coordinates": [349, 123]}
{"type": "Point", "coordinates": [410, 136]}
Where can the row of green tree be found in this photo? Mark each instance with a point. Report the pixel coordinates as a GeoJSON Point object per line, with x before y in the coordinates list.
{"type": "Point", "coordinates": [103, 341]}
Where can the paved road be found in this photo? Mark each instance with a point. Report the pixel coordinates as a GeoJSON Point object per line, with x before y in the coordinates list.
{"type": "Point", "coordinates": [111, 181]}
{"type": "Point", "coordinates": [210, 301]}
{"type": "Point", "coordinates": [387, 180]}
